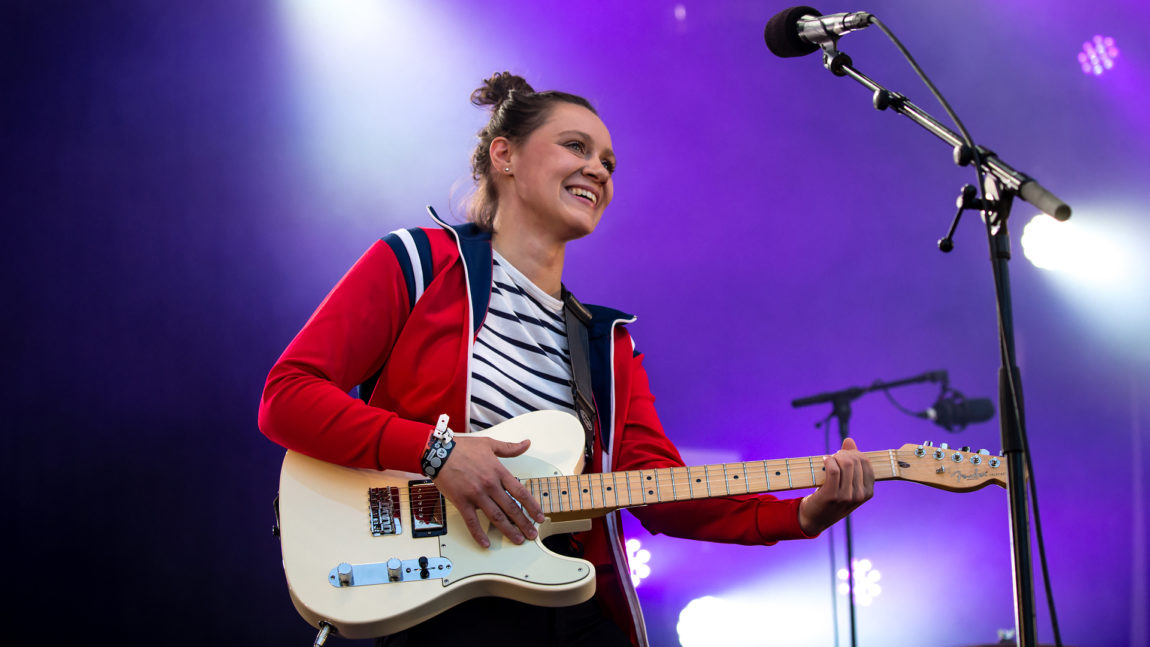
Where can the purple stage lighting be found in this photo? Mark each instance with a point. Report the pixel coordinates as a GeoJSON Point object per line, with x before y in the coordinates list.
{"type": "Point", "coordinates": [1097, 55]}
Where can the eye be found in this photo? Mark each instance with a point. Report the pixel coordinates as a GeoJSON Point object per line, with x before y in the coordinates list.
{"type": "Point", "coordinates": [609, 165]}
{"type": "Point", "coordinates": [576, 146]}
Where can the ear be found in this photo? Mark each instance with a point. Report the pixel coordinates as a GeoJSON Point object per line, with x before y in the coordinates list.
{"type": "Point", "coordinates": [500, 152]}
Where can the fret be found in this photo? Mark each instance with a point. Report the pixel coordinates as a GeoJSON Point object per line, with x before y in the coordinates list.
{"type": "Point", "coordinates": [767, 475]}
{"type": "Point", "coordinates": [566, 493]}
{"type": "Point", "coordinates": [545, 496]}
{"type": "Point", "coordinates": [787, 467]}
{"type": "Point", "coordinates": [707, 478]}
{"type": "Point", "coordinates": [811, 461]}
{"type": "Point", "coordinates": [579, 486]}
{"type": "Point", "coordinates": [658, 487]}
{"type": "Point", "coordinates": [690, 483]}
{"type": "Point", "coordinates": [556, 494]}
{"type": "Point", "coordinates": [589, 490]}
{"type": "Point", "coordinates": [746, 479]}
{"type": "Point", "coordinates": [674, 497]}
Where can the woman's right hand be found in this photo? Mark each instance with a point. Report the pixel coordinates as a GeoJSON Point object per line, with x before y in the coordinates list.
{"type": "Point", "coordinates": [472, 478]}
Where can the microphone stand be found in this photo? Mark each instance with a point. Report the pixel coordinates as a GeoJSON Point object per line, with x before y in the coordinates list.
{"type": "Point", "coordinates": [1001, 184]}
{"type": "Point", "coordinates": [841, 409]}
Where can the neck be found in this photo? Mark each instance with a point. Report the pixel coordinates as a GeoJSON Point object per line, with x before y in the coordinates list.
{"type": "Point", "coordinates": [538, 258]}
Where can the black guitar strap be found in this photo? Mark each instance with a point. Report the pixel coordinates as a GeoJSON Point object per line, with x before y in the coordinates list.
{"type": "Point", "coordinates": [578, 344]}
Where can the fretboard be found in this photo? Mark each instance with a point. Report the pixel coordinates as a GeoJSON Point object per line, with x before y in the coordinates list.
{"type": "Point", "coordinates": [590, 495]}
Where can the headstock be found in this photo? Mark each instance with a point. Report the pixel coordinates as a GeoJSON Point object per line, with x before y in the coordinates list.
{"type": "Point", "coordinates": [950, 469]}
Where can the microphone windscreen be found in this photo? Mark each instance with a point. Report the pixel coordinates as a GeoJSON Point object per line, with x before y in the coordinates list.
{"type": "Point", "coordinates": [979, 410]}
{"type": "Point", "coordinates": [782, 33]}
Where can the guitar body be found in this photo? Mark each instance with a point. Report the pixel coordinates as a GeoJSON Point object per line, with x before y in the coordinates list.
{"type": "Point", "coordinates": [326, 520]}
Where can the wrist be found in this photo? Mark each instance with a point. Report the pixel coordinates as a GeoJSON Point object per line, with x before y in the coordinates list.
{"type": "Point", "coordinates": [440, 444]}
{"type": "Point", "coordinates": [807, 523]}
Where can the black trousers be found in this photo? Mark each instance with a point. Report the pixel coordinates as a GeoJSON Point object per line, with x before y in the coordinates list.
{"type": "Point", "coordinates": [496, 622]}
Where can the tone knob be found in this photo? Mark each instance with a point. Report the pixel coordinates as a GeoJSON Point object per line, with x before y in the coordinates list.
{"type": "Point", "coordinates": [394, 569]}
{"type": "Point", "coordinates": [344, 573]}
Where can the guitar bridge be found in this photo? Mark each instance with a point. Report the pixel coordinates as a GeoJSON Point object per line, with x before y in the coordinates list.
{"type": "Point", "coordinates": [383, 504]}
{"type": "Point", "coordinates": [427, 509]}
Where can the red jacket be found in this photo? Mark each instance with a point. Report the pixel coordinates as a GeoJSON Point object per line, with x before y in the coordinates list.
{"type": "Point", "coordinates": [441, 278]}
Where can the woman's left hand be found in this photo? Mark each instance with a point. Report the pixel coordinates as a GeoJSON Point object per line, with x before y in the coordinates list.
{"type": "Point", "coordinates": [849, 483]}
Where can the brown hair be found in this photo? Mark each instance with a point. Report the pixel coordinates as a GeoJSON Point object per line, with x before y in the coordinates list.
{"type": "Point", "coordinates": [517, 110]}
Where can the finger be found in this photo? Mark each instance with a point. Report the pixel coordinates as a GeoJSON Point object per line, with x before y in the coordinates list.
{"type": "Point", "coordinates": [831, 484]}
{"type": "Point", "coordinates": [868, 480]}
{"type": "Point", "coordinates": [521, 494]}
{"type": "Point", "coordinates": [471, 520]}
{"type": "Point", "coordinates": [846, 476]}
{"type": "Point", "coordinates": [515, 512]}
{"type": "Point", "coordinates": [507, 450]}
{"type": "Point", "coordinates": [860, 481]}
{"type": "Point", "coordinates": [500, 520]}
{"type": "Point", "coordinates": [849, 444]}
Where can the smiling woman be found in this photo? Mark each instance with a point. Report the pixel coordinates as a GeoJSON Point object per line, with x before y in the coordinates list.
{"type": "Point", "coordinates": [471, 328]}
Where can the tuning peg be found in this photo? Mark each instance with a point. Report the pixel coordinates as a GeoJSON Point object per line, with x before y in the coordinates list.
{"type": "Point", "coordinates": [928, 443]}
{"type": "Point", "coordinates": [966, 448]}
{"type": "Point", "coordinates": [943, 446]}
{"type": "Point", "coordinates": [983, 452]}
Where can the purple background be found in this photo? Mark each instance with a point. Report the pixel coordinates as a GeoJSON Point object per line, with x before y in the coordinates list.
{"type": "Point", "coordinates": [186, 180]}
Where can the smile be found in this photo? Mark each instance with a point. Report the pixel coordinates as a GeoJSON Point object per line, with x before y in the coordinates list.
{"type": "Point", "coordinates": [583, 193]}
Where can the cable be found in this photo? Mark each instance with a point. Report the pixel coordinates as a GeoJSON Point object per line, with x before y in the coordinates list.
{"type": "Point", "coordinates": [897, 405]}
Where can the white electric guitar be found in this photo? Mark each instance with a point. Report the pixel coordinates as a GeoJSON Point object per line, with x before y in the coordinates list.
{"type": "Point", "coordinates": [370, 553]}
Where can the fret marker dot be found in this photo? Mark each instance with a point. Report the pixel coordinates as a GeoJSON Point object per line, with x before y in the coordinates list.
{"type": "Point", "coordinates": [698, 480]}
{"type": "Point", "coordinates": [608, 488]}
{"type": "Point", "coordinates": [650, 491]}
{"type": "Point", "coordinates": [648, 477]}
{"type": "Point", "coordinates": [777, 473]}
{"type": "Point", "coordinates": [564, 493]}
{"type": "Point", "coordinates": [584, 490]}
{"type": "Point", "coordinates": [736, 477]}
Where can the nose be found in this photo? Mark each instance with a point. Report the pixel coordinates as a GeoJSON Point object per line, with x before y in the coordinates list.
{"type": "Point", "coordinates": [598, 171]}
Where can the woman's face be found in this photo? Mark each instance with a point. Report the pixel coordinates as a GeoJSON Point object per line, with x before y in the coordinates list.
{"type": "Point", "coordinates": [562, 172]}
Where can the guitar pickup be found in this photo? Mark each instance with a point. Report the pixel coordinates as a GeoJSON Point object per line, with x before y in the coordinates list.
{"type": "Point", "coordinates": [383, 507]}
{"type": "Point", "coordinates": [427, 509]}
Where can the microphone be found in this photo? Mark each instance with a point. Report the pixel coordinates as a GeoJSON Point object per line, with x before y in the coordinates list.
{"type": "Point", "coordinates": [799, 31]}
{"type": "Point", "coordinates": [953, 410]}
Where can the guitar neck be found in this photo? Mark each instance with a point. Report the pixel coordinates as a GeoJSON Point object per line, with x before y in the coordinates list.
{"type": "Point", "coordinates": [591, 495]}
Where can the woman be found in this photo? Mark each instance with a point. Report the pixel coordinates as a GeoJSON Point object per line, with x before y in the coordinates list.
{"type": "Point", "coordinates": [470, 321]}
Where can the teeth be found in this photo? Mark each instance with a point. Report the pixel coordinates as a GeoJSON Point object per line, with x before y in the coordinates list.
{"type": "Point", "coordinates": [583, 193]}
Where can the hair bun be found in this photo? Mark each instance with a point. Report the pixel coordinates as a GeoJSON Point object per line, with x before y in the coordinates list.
{"type": "Point", "coordinates": [499, 88]}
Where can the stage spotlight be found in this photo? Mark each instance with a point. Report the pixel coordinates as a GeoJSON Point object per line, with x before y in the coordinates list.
{"type": "Point", "coordinates": [1069, 248]}
{"type": "Point", "coordinates": [637, 558]}
{"type": "Point", "coordinates": [710, 621]}
{"type": "Point", "coordinates": [866, 582]}
{"type": "Point", "coordinates": [1097, 55]}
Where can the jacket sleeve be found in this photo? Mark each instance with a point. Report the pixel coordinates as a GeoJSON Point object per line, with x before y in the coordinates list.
{"type": "Point", "coordinates": [750, 519]}
{"type": "Point", "coordinates": [306, 406]}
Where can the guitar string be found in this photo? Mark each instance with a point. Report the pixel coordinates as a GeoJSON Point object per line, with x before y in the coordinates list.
{"type": "Point", "coordinates": [429, 500]}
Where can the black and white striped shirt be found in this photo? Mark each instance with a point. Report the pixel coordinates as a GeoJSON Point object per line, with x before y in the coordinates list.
{"type": "Point", "coordinates": [520, 361]}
